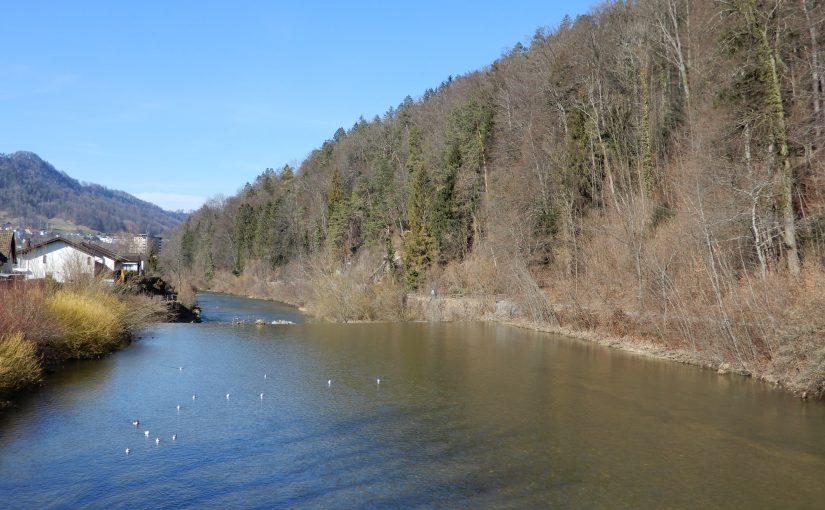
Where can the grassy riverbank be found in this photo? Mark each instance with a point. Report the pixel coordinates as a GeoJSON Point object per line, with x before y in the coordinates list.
{"type": "Point", "coordinates": [43, 325]}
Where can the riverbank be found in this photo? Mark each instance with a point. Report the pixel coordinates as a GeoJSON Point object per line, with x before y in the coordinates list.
{"type": "Point", "coordinates": [647, 336]}
{"type": "Point", "coordinates": [43, 325]}
{"type": "Point", "coordinates": [616, 330]}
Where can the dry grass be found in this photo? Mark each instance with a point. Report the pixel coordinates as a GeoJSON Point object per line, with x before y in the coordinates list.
{"type": "Point", "coordinates": [19, 364]}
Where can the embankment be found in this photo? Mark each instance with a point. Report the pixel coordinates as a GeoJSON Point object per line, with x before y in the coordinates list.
{"type": "Point", "coordinates": [610, 329]}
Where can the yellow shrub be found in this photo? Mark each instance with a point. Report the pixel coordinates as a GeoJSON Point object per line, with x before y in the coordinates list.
{"type": "Point", "coordinates": [19, 366]}
{"type": "Point", "coordinates": [92, 323]}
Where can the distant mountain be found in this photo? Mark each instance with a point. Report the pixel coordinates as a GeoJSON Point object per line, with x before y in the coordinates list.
{"type": "Point", "coordinates": [33, 192]}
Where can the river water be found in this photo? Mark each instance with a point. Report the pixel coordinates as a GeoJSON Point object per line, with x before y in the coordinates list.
{"type": "Point", "coordinates": [469, 415]}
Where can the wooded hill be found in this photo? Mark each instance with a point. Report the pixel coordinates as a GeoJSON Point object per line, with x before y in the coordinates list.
{"type": "Point", "coordinates": [655, 166]}
{"type": "Point", "coordinates": [33, 192]}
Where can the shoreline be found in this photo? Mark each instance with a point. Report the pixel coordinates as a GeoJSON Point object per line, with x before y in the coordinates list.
{"type": "Point", "coordinates": [49, 327]}
{"type": "Point", "coordinates": [470, 309]}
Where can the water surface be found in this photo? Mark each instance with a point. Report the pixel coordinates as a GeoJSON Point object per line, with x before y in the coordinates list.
{"type": "Point", "coordinates": [465, 415]}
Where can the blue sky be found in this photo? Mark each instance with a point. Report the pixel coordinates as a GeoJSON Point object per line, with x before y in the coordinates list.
{"type": "Point", "coordinates": [175, 102]}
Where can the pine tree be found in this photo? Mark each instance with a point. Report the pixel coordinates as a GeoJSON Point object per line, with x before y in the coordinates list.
{"type": "Point", "coordinates": [338, 215]}
{"type": "Point", "coordinates": [419, 244]}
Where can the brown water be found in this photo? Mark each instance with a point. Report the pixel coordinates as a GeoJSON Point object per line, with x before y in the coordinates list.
{"type": "Point", "coordinates": [466, 415]}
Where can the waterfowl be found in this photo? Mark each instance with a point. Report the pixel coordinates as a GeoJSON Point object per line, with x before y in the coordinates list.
{"type": "Point", "coordinates": [178, 407]}
{"type": "Point", "coordinates": [174, 437]}
{"type": "Point", "coordinates": [136, 422]}
{"type": "Point", "coordinates": [146, 433]}
{"type": "Point", "coordinates": [329, 382]}
{"type": "Point", "coordinates": [157, 440]}
{"type": "Point", "coordinates": [128, 451]}
{"type": "Point", "coordinates": [227, 396]}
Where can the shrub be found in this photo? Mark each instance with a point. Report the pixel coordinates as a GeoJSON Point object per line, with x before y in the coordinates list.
{"type": "Point", "coordinates": [619, 323]}
{"type": "Point", "coordinates": [19, 364]}
{"type": "Point", "coordinates": [23, 310]}
{"type": "Point", "coordinates": [92, 323]}
{"type": "Point", "coordinates": [476, 275]}
{"type": "Point", "coordinates": [140, 312]}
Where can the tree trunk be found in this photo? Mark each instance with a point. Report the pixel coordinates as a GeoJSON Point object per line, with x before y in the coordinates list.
{"type": "Point", "coordinates": [757, 237]}
{"type": "Point", "coordinates": [816, 78]}
{"type": "Point", "coordinates": [648, 169]}
{"type": "Point", "coordinates": [776, 111]}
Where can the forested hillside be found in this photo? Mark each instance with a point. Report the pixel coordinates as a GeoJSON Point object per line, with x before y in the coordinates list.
{"type": "Point", "coordinates": [654, 169]}
{"type": "Point", "coordinates": [32, 192]}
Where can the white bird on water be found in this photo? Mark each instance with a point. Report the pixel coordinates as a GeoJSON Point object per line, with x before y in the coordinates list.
{"type": "Point", "coordinates": [264, 376]}
{"type": "Point", "coordinates": [180, 369]}
{"type": "Point", "coordinates": [128, 451]}
{"type": "Point", "coordinates": [193, 397]}
{"type": "Point", "coordinates": [378, 381]}
{"type": "Point", "coordinates": [262, 396]}
{"type": "Point", "coordinates": [174, 437]}
{"type": "Point", "coordinates": [135, 422]}
{"type": "Point", "coordinates": [146, 433]}
{"type": "Point", "coordinates": [178, 407]}
{"type": "Point", "coordinates": [157, 440]}
{"type": "Point", "coordinates": [329, 382]}
{"type": "Point", "coordinates": [227, 396]}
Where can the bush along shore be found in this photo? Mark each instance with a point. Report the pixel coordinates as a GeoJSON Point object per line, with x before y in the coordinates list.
{"type": "Point", "coordinates": [44, 324]}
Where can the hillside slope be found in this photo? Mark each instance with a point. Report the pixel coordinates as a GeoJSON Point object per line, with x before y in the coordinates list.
{"type": "Point", "coordinates": [33, 191]}
{"type": "Point", "coordinates": [652, 169]}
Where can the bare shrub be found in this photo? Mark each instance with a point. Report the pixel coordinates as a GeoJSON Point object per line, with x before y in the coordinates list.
{"type": "Point", "coordinates": [389, 300]}
{"type": "Point", "coordinates": [527, 292]}
{"type": "Point", "coordinates": [78, 271]}
{"type": "Point", "coordinates": [355, 291]}
{"type": "Point", "coordinates": [478, 274]}
{"type": "Point", "coordinates": [619, 323]}
{"type": "Point", "coordinates": [140, 312]}
{"type": "Point", "coordinates": [23, 310]}
{"type": "Point", "coordinates": [801, 336]}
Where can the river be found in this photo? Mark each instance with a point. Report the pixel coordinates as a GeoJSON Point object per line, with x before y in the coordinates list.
{"type": "Point", "coordinates": [439, 415]}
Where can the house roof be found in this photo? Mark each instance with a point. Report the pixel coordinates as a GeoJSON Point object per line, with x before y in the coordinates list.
{"type": "Point", "coordinates": [85, 247]}
{"type": "Point", "coordinates": [7, 246]}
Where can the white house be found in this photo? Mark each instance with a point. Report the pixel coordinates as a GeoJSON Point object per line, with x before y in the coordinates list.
{"type": "Point", "coordinates": [62, 258]}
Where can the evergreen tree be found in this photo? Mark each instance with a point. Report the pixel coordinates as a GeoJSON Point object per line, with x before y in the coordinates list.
{"type": "Point", "coordinates": [244, 236]}
{"type": "Point", "coordinates": [419, 243]}
{"type": "Point", "coordinates": [338, 215]}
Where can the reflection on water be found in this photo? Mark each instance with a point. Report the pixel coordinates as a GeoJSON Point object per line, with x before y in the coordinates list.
{"type": "Point", "coordinates": [469, 415]}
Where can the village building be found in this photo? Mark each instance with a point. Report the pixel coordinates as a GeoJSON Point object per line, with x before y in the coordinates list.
{"type": "Point", "coordinates": [8, 252]}
{"type": "Point", "coordinates": [142, 244]}
{"type": "Point", "coordinates": [62, 258]}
